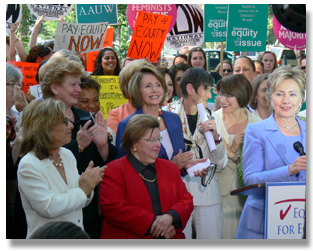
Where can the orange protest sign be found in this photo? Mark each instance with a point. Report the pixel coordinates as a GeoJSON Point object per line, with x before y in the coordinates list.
{"type": "Point", "coordinates": [148, 36]}
{"type": "Point", "coordinates": [91, 56]}
{"type": "Point", "coordinates": [29, 71]}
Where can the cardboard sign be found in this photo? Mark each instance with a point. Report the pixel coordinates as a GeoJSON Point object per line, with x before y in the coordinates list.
{"type": "Point", "coordinates": [215, 22]}
{"type": "Point", "coordinates": [29, 71]}
{"type": "Point", "coordinates": [95, 13]}
{"type": "Point", "coordinates": [148, 36]}
{"type": "Point", "coordinates": [285, 210]}
{"type": "Point", "coordinates": [110, 94]}
{"type": "Point", "coordinates": [247, 27]}
{"type": "Point", "coordinates": [13, 15]}
{"type": "Point", "coordinates": [80, 37]}
{"type": "Point", "coordinates": [289, 38]}
{"type": "Point", "coordinates": [51, 11]}
{"type": "Point", "coordinates": [188, 29]}
{"type": "Point", "coordinates": [91, 56]}
{"type": "Point", "coordinates": [162, 9]}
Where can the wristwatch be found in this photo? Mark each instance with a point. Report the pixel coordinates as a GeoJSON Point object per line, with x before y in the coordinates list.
{"type": "Point", "coordinates": [237, 161]}
{"type": "Point", "coordinates": [219, 140]}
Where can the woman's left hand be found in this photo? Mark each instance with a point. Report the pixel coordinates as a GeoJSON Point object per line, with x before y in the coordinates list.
{"type": "Point", "coordinates": [210, 125]}
{"type": "Point", "coordinates": [101, 138]}
{"type": "Point", "coordinates": [161, 225]}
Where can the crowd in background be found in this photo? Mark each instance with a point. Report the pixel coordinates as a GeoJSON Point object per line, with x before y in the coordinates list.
{"type": "Point", "coordinates": [73, 174]}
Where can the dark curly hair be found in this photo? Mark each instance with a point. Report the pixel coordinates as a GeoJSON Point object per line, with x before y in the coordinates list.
{"type": "Point", "coordinates": [98, 70]}
{"type": "Point", "coordinates": [37, 51]}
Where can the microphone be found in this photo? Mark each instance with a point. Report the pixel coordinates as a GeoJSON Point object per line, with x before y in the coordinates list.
{"type": "Point", "coordinates": [299, 148]}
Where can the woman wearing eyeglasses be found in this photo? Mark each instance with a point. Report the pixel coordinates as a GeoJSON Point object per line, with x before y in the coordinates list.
{"type": "Point", "coordinates": [142, 196]}
{"type": "Point", "coordinates": [48, 180]}
{"type": "Point", "coordinates": [60, 78]}
{"type": "Point", "coordinates": [234, 92]}
{"type": "Point", "coordinates": [207, 218]}
{"type": "Point", "coordinates": [227, 68]}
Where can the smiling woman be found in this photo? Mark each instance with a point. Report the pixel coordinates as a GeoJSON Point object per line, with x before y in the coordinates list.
{"type": "Point", "coordinates": [107, 63]}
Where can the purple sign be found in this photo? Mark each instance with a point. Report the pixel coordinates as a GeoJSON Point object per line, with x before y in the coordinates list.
{"type": "Point", "coordinates": [289, 38]}
{"type": "Point", "coordinates": [163, 9]}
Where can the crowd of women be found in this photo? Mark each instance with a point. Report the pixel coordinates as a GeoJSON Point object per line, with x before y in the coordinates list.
{"type": "Point", "coordinates": [126, 177]}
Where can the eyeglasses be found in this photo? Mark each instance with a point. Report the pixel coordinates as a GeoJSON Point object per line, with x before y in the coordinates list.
{"type": "Point", "coordinates": [225, 95]}
{"type": "Point", "coordinates": [66, 120]}
{"type": "Point", "coordinates": [153, 141]}
{"type": "Point", "coordinates": [303, 67]}
{"type": "Point", "coordinates": [211, 171]}
{"type": "Point", "coordinates": [12, 84]}
{"type": "Point", "coordinates": [227, 70]}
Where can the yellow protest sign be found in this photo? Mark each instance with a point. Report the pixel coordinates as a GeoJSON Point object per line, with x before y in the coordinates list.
{"type": "Point", "coordinates": [110, 94]}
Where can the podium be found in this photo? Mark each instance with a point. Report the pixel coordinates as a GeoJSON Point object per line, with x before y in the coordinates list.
{"type": "Point", "coordinates": [284, 208]}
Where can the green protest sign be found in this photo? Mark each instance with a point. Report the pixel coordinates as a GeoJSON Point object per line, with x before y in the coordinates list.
{"type": "Point", "coordinates": [215, 22]}
{"type": "Point", "coordinates": [247, 27]}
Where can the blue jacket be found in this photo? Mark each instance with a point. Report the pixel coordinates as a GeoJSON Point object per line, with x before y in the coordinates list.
{"type": "Point", "coordinates": [265, 160]}
{"type": "Point", "coordinates": [174, 128]}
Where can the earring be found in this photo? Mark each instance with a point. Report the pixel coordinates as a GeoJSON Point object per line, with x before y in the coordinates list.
{"type": "Point", "coordinates": [135, 149]}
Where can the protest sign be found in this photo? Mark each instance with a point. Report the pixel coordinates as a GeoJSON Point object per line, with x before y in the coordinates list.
{"type": "Point", "coordinates": [188, 29]}
{"type": "Point", "coordinates": [51, 11]}
{"type": "Point", "coordinates": [247, 27]}
{"type": "Point", "coordinates": [29, 71]}
{"type": "Point", "coordinates": [162, 9]}
{"type": "Point", "coordinates": [289, 38]}
{"type": "Point", "coordinates": [215, 22]}
{"type": "Point", "coordinates": [13, 15]}
{"type": "Point", "coordinates": [96, 13]}
{"type": "Point", "coordinates": [110, 94]}
{"type": "Point", "coordinates": [80, 37]}
{"type": "Point", "coordinates": [148, 36]}
{"type": "Point", "coordinates": [91, 56]}
{"type": "Point", "coordinates": [36, 91]}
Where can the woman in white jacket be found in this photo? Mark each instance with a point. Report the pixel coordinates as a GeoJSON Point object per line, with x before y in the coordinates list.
{"type": "Point", "coordinates": [207, 217]}
{"type": "Point", "coordinates": [48, 179]}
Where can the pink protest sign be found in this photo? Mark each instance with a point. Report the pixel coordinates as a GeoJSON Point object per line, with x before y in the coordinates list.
{"type": "Point", "coordinates": [289, 38]}
{"type": "Point", "coordinates": [163, 9]}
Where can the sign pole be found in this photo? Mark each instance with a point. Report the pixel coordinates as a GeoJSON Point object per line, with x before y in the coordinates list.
{"type": "Point", "coordinates": [221, 58]}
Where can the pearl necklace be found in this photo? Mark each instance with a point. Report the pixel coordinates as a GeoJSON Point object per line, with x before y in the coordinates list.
{"type": "Point", "coordinates": [58, 163]}
{"type": "Point", "coordinates": [286, 127]}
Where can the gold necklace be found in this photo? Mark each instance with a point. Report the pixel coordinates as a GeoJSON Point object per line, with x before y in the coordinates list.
{"type": "Point", "coordinates": [58, 163]}
{"type": "Point", "coordinates": [148, 180]}
{"type": "Point", "coordinates": [286, 127]}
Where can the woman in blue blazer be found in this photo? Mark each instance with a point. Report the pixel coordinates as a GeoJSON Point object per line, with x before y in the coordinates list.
{"type": "Point", "coordinates": [147, 92]}
{"type": "Point", "coordinates": [268, 150]}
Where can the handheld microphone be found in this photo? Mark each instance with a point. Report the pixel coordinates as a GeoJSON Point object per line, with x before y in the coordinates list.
{"type": "Point", "coordinates": [299, 148]}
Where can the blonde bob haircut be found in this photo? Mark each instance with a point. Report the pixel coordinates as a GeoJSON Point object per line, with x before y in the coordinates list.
{"type": "Point", "coordinates": [137, 126]}
{"type": "Point", "coordinates": [283, 73]}
{"type": "Point", "coordinates": [135, 83]}
{"type": "Point", "coordinates": [128, 71]}
{"type": "Point", "coordinates": [39, 118]}
{"type": "Point", "coordinates": [56, 70]}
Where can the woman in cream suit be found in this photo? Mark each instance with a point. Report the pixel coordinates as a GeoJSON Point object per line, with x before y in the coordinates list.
{"type": "Point", "coordinates": [207, 218]}
{"type": "Point", "coordinates": [48, 180]}
{"type": "Point", "coordinates": [234, 92]}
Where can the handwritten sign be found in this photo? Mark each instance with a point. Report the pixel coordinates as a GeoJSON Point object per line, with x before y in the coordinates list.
{"type": "Point", "coordinates": [29, 71]}
{"type": "Point", "coordinates": [110, 94]}
{"type": "Point", "coordinates": [148, 36]}
{"type": "Point", "coordinates": [36, 91]}
{"type": "Point", "coordinates": [91, 56]}
{"type": "Point", "coordinates": [94, 13]}
{"type": "Point", "coordinates": [289, 38]}
{"type": "Point", "coordinates": [80, 37]}
{"type": "Point", "coordinates": [51, 11]}
{"type": "Point", "coordinates": [13, 14]}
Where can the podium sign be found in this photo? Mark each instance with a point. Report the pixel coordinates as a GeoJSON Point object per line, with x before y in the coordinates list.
{"type": "Point", "coordinates": [285, 210]}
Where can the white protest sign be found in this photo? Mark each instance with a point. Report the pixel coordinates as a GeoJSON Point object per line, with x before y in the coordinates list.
{"type": "Point", "coordinates": [51, 11]}
{"type": "Point", "coordinates": [86, 37]}
{"type": "Point", "coordinates": [36, 91]}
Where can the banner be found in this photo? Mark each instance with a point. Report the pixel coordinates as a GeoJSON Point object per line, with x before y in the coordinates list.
{"type": "Point", "coordinates": [51, 11]}
{"type": "Point", "coordinates": [162, 9]}
{"type": "Point", "coordinates": [110, 94]}
{"type": "Point", "coordinates": [13, 15]}
{"type": "Point", "coordinates": [289, 38]}
{"type": "Point", "coordinates": [148, 36]}
{"type": "Point", "coordinates": [91, 56]}
{"type": "Point", "coordinates": [96, 13]}
{"type": "Point", "coordinates": [247, 27]}
{"type": "Point", "coordinates": [215, 22]}
{"type": "Point", "coordinates": [29, 71]}
{"type": "Point", "coordinates": [188, 29]}
{"type": "Point", "coordinates": [80, 37]}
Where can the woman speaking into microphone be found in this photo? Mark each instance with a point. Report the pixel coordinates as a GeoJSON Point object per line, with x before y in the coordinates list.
{"type": "Point", "coordinates": [268, 151]}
